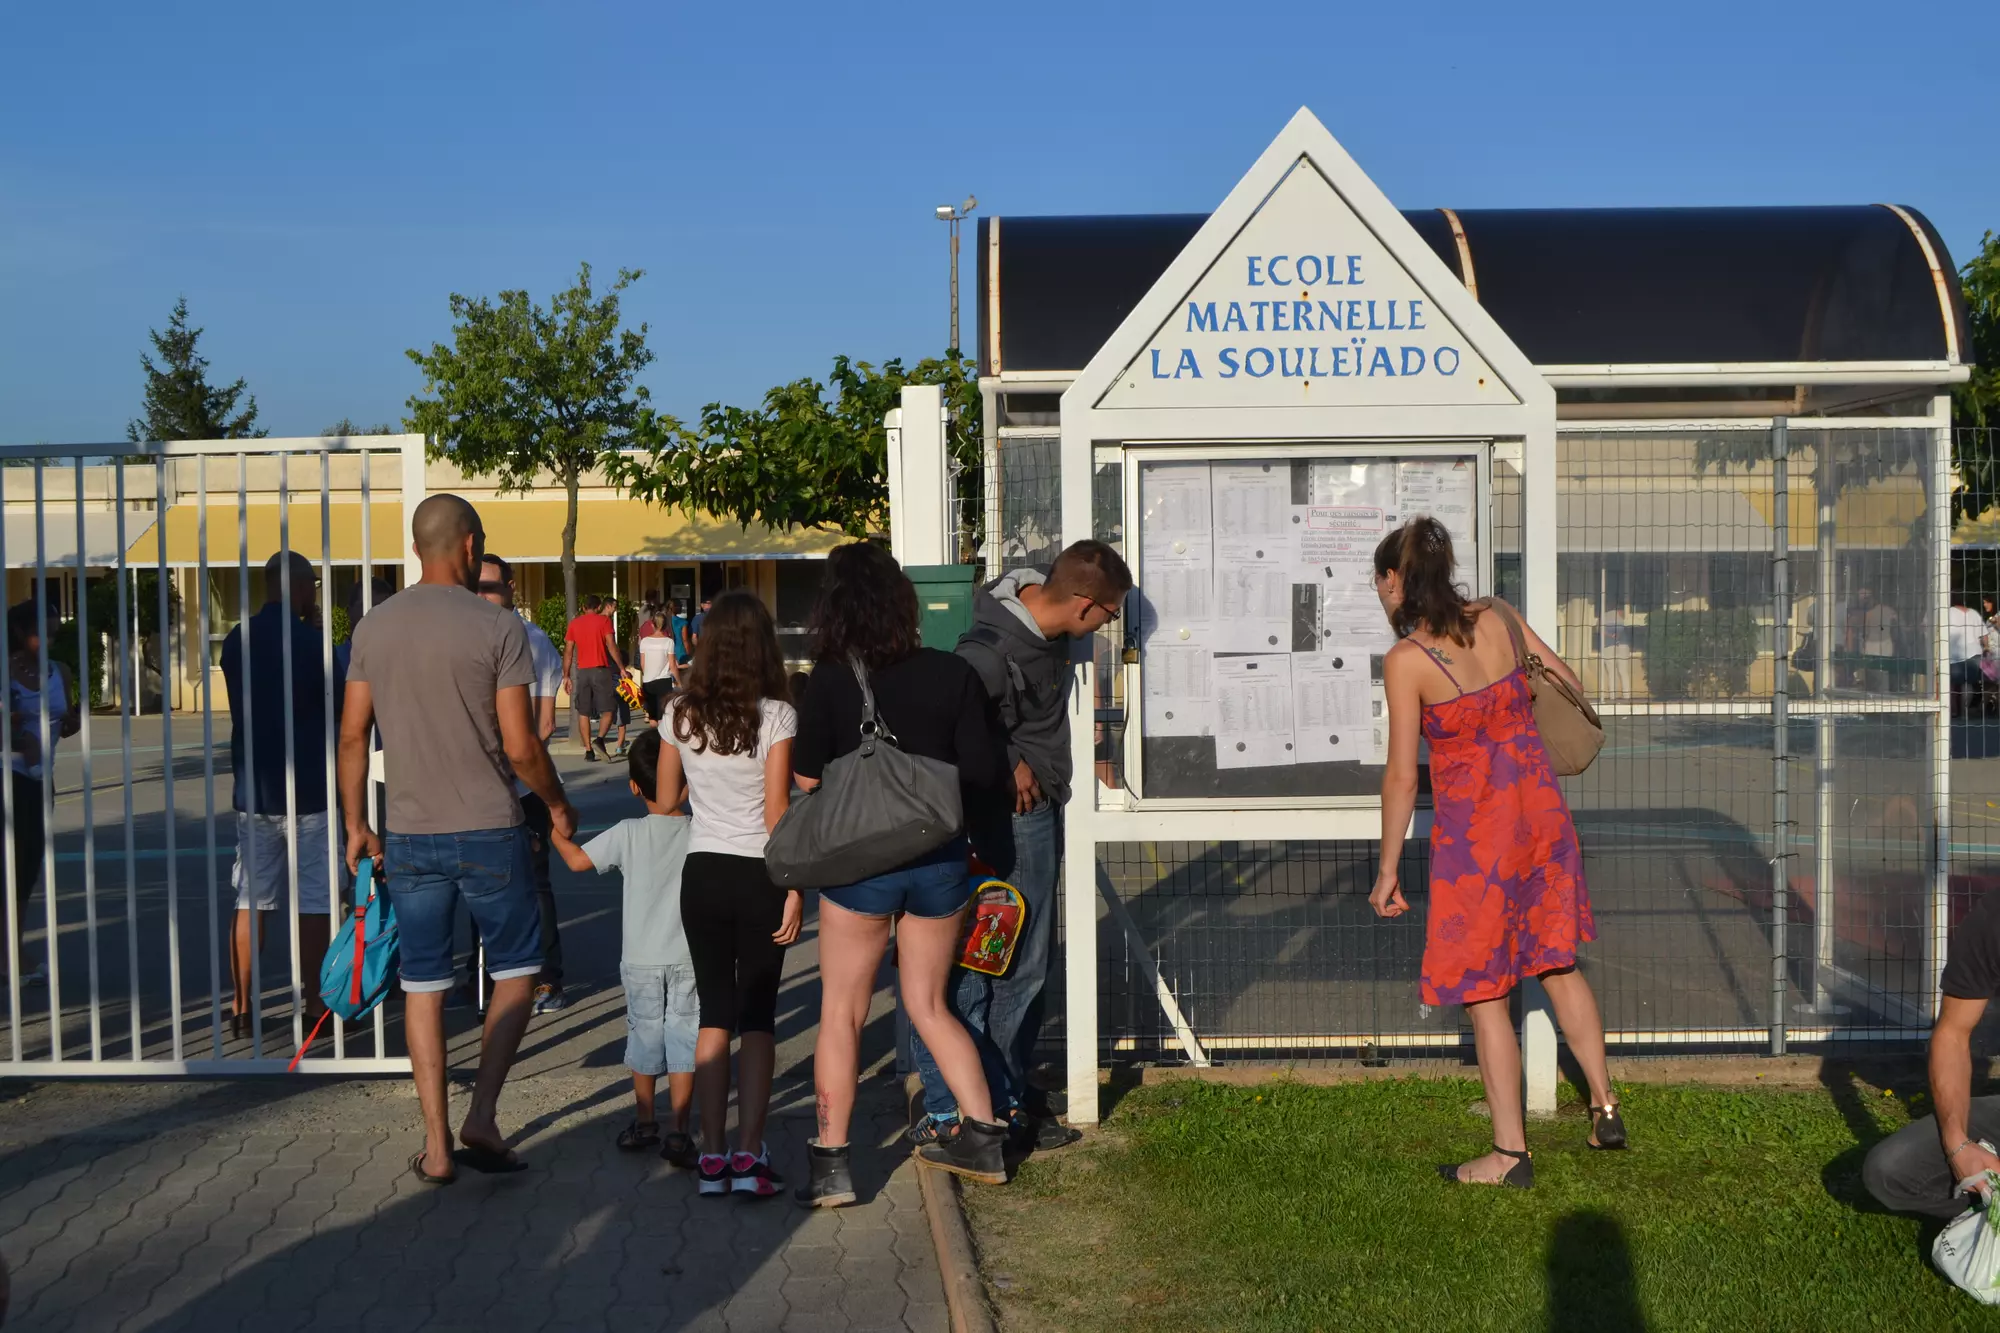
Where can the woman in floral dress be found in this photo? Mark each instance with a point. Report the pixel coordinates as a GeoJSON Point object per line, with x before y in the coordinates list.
{"type": "Point", "coordinates": [1507, 898]}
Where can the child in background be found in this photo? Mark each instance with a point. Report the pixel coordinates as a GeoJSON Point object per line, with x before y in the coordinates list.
{"type": "Point", "coordinates": [661, 1014]}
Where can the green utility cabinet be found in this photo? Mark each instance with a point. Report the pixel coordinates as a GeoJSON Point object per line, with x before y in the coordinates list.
{"type": "Point", "coordinates": [944, 601]}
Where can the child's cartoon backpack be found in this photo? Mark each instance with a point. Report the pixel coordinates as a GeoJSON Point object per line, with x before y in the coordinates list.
{"type": "Point", "coordinates": [999, 915]}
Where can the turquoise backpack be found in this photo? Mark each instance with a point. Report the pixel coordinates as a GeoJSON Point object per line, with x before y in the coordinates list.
{"type": "Point", "coordinates": [360, 964]}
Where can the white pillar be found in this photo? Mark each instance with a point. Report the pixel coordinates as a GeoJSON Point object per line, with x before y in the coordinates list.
{"type": "Point", "coordinates": [920, 500]}
{"type": "Point", "coordinates": [1538, 583]}
{"type": "Point", "coordinates": [413, 495]}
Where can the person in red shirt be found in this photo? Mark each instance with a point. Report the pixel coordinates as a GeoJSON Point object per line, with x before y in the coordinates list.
{"type": "Point", "coordinates": [590, 654]}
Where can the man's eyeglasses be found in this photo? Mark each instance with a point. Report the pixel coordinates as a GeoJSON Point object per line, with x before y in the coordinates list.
{"type": "Point", "coordinates": [1111, 613]}
{"type": "Point", "coordinates": [492, 587]}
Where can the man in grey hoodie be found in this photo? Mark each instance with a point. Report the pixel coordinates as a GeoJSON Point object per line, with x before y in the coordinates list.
{"type": "Point", "coordinates": [1019, 645]}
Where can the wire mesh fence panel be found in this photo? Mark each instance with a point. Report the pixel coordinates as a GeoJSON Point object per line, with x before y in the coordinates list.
{"type": "Point", "coordinates": [1010, 511]}
{"type": "Point", "coordinates": [1973, 666]}
{"type": "Point", "coordinates": [1760, 613]}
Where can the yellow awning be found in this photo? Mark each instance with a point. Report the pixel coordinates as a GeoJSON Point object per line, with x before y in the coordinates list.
{"type": "Point", "coordinates": [1880, 516]}
{"type": "Point", "coordinates": [184, 523]}
{"type": "Point", "coordinates": [523, 529]}
{"type": "Point", "coordinates": [531, 529]}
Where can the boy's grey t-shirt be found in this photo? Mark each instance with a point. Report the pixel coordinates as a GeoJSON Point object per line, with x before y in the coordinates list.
{"type": "Point", "coordinates": [433, 657]}
{"type": "Point", "coordinates": [650, 851]}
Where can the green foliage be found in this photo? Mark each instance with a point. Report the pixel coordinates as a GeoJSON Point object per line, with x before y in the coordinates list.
{"type": "Point", "coordinates": [180, 403]}
{"type": "Point", "coordinates": [811, 456]}
{"type": "Point", "coordinates": [625, 622]}
{"type": "Point", "coordinates": [552, 616]}
{"type": "Point", "coordinates": [342, 627]}
{"type": "Point", "coordinates": [346, 427]}
{"type": "Point", "coordinates": [522, 392]}
{"type": "Point", "coordinates": [1695, 654]}
{"type": "Point", "coordinates": [1977, 401]}
{"type": "Point", "coordinates": [142, 618]}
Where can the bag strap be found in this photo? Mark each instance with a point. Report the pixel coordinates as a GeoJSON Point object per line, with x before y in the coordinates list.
{"type": "Point", "coordinates": [872, 726]}
{"type": "Point", "coordinates": [364, 884]}
{"type": "Point", "coordinates": [1513, 623]}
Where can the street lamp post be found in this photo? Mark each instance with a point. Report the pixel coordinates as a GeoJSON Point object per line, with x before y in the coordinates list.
{"type": "Point", "coordinates": [947, 214]}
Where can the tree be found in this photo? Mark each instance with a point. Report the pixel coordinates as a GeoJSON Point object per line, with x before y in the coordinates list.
{"type": "Point", "coordinates": [802, 459]}
{"type": "Point", "coordinates": [1977, 401]}
{"type": "Point", "coordinates": [180, 402]}
{"type": "Point", "coordinates": [524, 392]}
{"type": "Point", "coordinates": [346, 427]}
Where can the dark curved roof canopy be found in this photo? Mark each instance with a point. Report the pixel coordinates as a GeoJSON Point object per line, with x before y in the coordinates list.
{"type": "Point", "coordinates": [1630, 286]}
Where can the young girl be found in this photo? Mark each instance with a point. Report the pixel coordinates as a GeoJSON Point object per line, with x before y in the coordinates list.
{"type": "Point", "coordinates": [729, 732]}
{"type": "Point", "coordinates": [1507, 899]}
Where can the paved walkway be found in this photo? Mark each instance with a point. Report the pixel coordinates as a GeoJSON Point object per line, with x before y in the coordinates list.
{"type": "Point", "coordinates": [286, 1203]}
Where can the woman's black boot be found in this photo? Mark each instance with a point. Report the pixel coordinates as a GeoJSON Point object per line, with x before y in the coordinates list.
{"type": "Point", "coordinates": [974, 1149]}
{"type": "Point", "coordinates": [829, 1182]}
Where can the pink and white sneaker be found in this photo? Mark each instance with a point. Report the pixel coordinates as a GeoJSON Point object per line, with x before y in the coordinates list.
{"type": "Point", "coordinates": [712, 1174]}
{"type": "Point", "coordinates": [753, 1175]}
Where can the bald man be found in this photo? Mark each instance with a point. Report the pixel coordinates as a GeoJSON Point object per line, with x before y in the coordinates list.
{"type": "Point", "coordinates": [446, 676]}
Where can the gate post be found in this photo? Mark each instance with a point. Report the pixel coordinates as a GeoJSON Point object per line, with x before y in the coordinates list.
{"type": "Point", "coordinates": [1539, 523]}
{"type": "Point", "coordinates": [414, 450]}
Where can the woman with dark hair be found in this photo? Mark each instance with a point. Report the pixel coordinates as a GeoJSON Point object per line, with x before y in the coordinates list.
{"type": "Point", "coordinates": [42, 714]}
{"type": "Point", "coordinates": [931, 704]}
{"type": "Point", "coordinates": [729, 731]}
{"type": "Point", "coordinates": [1507, 898]}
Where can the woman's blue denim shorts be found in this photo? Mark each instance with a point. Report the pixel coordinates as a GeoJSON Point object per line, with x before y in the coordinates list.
{"type": "Point", "coordinates": [937, 886]}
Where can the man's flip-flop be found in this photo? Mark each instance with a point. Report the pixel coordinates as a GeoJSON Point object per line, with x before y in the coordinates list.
{"type": "Point", "coordinates": [487, 1161]}
{"type": "Point", "coordinates": [417, 1170]}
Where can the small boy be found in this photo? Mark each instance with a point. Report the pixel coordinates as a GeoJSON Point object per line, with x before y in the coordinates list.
{"type": "Point", "coordinates": [661, 1013]}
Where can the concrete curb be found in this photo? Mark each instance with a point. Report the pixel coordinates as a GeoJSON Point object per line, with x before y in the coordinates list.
{"type": "Point", "coordinates": [958, 1266]}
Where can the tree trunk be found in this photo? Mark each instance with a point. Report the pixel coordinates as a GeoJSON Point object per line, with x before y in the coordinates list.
{"type": "Point", "coordinates": [571, 484]}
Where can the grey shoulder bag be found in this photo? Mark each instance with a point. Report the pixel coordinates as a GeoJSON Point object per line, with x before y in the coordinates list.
{"type": "Point", "coordinates": [876, 808]}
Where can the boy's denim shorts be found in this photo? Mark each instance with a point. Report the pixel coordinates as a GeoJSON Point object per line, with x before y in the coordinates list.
{"type": "Point", "coordinates": [427, 875]}
{"type": "Point", "coordinates": [935, 887]}
{"type": "Point", "coordinates": [662, 1016]}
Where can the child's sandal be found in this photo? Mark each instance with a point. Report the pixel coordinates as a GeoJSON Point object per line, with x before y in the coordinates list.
{"type": "Point", "coordinates": [679, 1150]}
{"type": "Point", "coordinates": [639, 1136]}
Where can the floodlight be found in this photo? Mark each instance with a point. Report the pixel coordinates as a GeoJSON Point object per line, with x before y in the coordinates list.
{"type": "Point", "coordinates": [944, 212]}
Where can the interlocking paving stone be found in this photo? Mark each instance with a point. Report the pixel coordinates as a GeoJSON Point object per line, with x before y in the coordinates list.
{"type": "Point", "coordinates": [213, 1207]}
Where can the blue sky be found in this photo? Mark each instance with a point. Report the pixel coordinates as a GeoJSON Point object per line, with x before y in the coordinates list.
{"type": "Point", "coordinates": [317, 180]}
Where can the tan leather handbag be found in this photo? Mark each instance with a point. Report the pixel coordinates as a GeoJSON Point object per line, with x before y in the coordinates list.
{"type": "Point", "coordinates": [1570, 730]}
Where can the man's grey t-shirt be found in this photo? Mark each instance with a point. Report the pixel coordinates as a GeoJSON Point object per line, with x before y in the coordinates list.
{"type": "Point", "coordinates": [433, 658]}
{"type": "Point", "coordinates": [650, 850]}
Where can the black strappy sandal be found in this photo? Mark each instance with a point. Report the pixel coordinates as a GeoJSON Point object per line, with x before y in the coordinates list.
{"type": "Point", "coordinates": [1520, 1176]}
{"type": "Point", "coordinates": [1607, 1128]}
{"type": "Point", "coordinates": [639, 1136]}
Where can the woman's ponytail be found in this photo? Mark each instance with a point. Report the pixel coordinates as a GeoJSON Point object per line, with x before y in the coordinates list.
{"type": "Point", "coordinates": [1421, 552]}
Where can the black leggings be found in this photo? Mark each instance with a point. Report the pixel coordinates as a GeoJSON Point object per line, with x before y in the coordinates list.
{"type": "Point", "coordinates": [731, 909]}
{"type": "Point", "coordinates": [28, 844]}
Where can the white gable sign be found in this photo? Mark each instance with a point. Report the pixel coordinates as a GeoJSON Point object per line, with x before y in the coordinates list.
{"type": "Point", "coordinates": [1307, 306]}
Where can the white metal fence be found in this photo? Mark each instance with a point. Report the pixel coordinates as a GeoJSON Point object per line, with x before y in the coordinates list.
{"type": "Point", "coordinates": [121, 903]}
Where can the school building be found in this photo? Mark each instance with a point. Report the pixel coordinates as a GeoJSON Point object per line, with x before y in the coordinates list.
{"type": "Point", "coordinates": [213, 521]}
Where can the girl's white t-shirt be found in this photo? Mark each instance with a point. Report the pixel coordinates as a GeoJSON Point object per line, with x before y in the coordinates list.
{"type": "Point", "coordinates": [655, 652]}
{"type": "Point", "coordinates": [727, 790]}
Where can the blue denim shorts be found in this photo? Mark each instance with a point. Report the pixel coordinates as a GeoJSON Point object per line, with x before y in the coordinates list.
{"type": "Point", "coordinates": [427, 874]}
{"type": "Point", "coordinates": [662, 1015]}
{"type": "Point", "coordinates": [937, 886]}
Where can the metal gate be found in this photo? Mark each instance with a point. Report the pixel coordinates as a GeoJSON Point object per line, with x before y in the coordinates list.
{"type": "Point", "coordinates": [131, 564]}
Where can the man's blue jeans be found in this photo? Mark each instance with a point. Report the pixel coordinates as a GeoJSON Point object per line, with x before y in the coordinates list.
{"type": "Point", "coordinates": [1004, 1014]}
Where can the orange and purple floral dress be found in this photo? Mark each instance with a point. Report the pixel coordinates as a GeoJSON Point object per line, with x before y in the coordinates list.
{"type": "Point", "coordinates": [1507, 895]}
